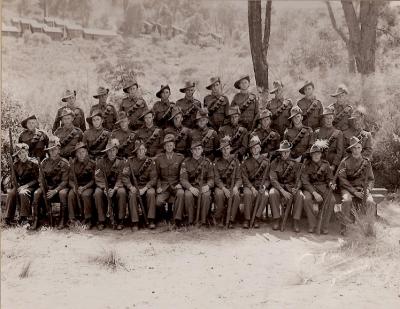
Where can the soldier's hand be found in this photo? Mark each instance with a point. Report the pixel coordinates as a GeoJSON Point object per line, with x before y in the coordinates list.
{"type": "Point", "coordinates": [358, 194]}
{"type": "Point", "coordinates": [21, 188]}
{"type": "Point", "coordinates": [133, 190]}
{"type": "Point", "coordinates": [332, 185]}
{"type": "Point", "coordinates": [51, 193]}
{"type": "Point", "coordinates": [143, 190]}
{"type": "Point", "coordinates": [80, 190]}
{"type": "Point", "coordinates": [159, 190]}
{"type": "Point", "coordinates": [25, 191]}
{"type": "Point", "coordinates": [111, 191]}
{"type": "Point", "coordinates": [178, 186]}
{"type": "Point", "coordinates": [205, 189]}
{"type": "Point", "coordinates": [317, 197]}
{"type": "Point", "coordinates": [254, 191]}
{"type": "Point", "coordinates": [286, 195]}
{"type": "Point", "coordinates": [226, 192]}
{"type": "Point", "coordinates": [262, 190]}
{"type": "Point", "coordinates": [333, 167]}
{"type": "Point", "coordinates": [235, 190]}
{"type": "Point", "coordinates": [194, 191]}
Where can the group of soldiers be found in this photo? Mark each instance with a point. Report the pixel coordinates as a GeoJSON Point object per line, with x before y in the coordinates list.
{"type": "Point", "coordinates": [211, 161]}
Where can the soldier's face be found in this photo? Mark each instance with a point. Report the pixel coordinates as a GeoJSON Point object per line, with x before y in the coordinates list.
{"type": "Point", "coordinates": [124, 124]}
{"type": "Point", "coordinates": [97, 121]}
{"type": "Point", "coordinates": [266, 122]}
{"type": "Point", "coordinates": [178, 120]}
{"type": "Point", "coordinates": [189, 92]}
{"type": "Point", "coordinates": [244, 84]}
{"type": "Point", "coordinates": [103, 98]}
{"type": "Point", "coordinates": [169, 147]}
{"type": "Point", "coordinates": [81, 154]}
{"type": "Point", "coordinates": [148, 119]}
{"type": "Point", "coordinates": [341, 97]}
{"type": "Point", "coordinates": [316, 156]}
{"type": "Point", "coordinates": [71, 100]}
{"type": "Point", "coordinates": [67, 120]}
{"type": "Point", "coordinates": [133, 90]}
{"type": "Point", "coordinates": [255, 150]}
{"type": "Point", "coordinates": [23, 155]}
{"type": "Point", "coordinates": [165, 94]}
{"type": "Point", "coordinates": [226, 151]}
{"type": "Point", "coordinates": [328, 120]}
{"type": "Point", "coordinates": [202, 122]}
{"type": "Point", "coordinates": [31, 124]}
{"type": "Point", "coordinates": [235, 119]}
{"type": "Point", "coordinates": [197, 151]}
{"type": "Point", "coordinates": [357, 123]}
{"type": "Point", "coordinates": [112, 153]}
{"type": "Point", "coordinates": [216, 88]}
{"type": "Point", "coordinates": [54, 152]}
{"type": "Point", "coordinates": [356, 150]}
{"type": "Point", "coordinates": [285, 154]}
{"type": "Point", "coordinates": [308, 91]}
{"type": "Point", "coordinates": [297, 119]}
{"type": "Point", "coordinates": [141, 152]}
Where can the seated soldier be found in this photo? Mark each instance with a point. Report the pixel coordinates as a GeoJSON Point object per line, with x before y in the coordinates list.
{"type": "Point", "coordinates": [228, 180]}
{"type": "Point", "coordinates": [310, 106]}
{"type": "Point", "coordinates": [202, 132]}
{"type": "Point", "coordinates": [342, 108]}
{"type": "Point", "coordinates": [96, 137]}
{"type": "Point", "coordinates": [68, 134]}
{"type": "Point", "coordinates": [81, 182]}
{"type": "Point", "coordinates": [36, 139]}
{"type": "Point", "coordinates": [197, 178]}
{"type": "Point", "coordinates": [316, 180]}
{"type": "Point", "coordinates": [150, 134]}
{"type": "Point", "coordinates": [356, 179]}
{"type": "Point", "coordinates": [163, 109]}
{"type": "Point", "coordinates": [168, 165]}
{"type": "Point", "coordinates": [283, 176]}
{"type": "Point", "coordinates": [269, 138]}
{"type": "Point", "coordinates": [177, 129]}
{"type": "Point", "coordinates": [143, 169]}
{"type": "Point", "coordinates": [237, 133]}
{"type": "Point", "coordinates": [255, 176]}
{"type": "Point", "coordinates": [216, 103]}
{"type": "Point", "coordinates": [247, 103]}
{"type": "Point", "coordinates": [125, 136]}
{"type": "Point", "coordinates": [26, 173]}
{"type": "Point", "coordinates": [69, 97]}
{"type": "Point", "coordinates": [108, 111]}
{"type": "Point", "coordinates": [109, 174]}
{"type": "Point", "coordinates": [189, 105]}
{"type": "Point", "coordinates": [300, 136]}
{"type": "Point", "coordinates": [55, 172]}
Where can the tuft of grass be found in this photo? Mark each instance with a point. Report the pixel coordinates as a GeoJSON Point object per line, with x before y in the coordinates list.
{"type": "Point", "coordinates": [25, 271]}
{"type": "Point", "coordinates": [365, 222]}
{"type": "Point", "coordinates": [109, 259]}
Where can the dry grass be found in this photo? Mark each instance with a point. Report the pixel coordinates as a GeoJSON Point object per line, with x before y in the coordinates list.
{"type": "Point", "coordinates": [110, 259]}
{"type": "Point", "coordinates": [25, 271]}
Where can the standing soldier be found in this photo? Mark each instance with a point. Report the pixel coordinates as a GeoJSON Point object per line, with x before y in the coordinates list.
{"type": "Point", "coordinates": [255, 176]}
{"type": "Point", "coordinates": [238, 134]}
{"type": "Point", "coordinates": [188, 104]}
{"type": "Point", "coordinates": [109, 174]}
{"type": "Point", "coordinates": [205, 134]}
{"type": "Point", "coordinates": [247, 103]}
{"type": "Point", "coordinates": [216, 103]}
{"type": "Point", "coordinates": [27, 173]}
{"type": "Point", "coordinates": [283, 175]}
{"type": "Point", "coordinates": [151, 134]}
{"type": "Point", "coordinates": [280, 108]}
{"type": "Point", "coordinates": [55, 172]}
{"type": "Point", "coordinates": [82, 170]}
{"type": "Point", "coordinates": [124, 135]}
{"type": "Point", "coordinates": [269, 138]}
{"type": "Point", "coordinates": [96, 137]}
{"type": "Point", "coordinates": [310, 106]}
{"type": "Point", "coordinates": [68, 134]}
{"type": "Point", "coordinates": [177, 129]}
{"type": "Point", "coordinates": [36, 139]}
{"type": "Point", "coordinates": [108, 111]}
{"type": "Point", "coordinates": [356, 180]}
{"type": "Point", "coordinates": [168, 165]}
{"type": "Point", "coordinates": [333, 137]}
{"type": "Point", "coordinates": [357, 129]}
{"type": "Point", "coordinates": [69, 97]}
{"type": "Point", "coordinates": [144, 169]}
{"type": "Point", "coordinates": [300, 136]}
{"type": "Point", "coordinates": [197, 178]}
{"type": "Point", "coordinates": [163, 109]}
{"type": "Point", "coordinates": [133, 104]}
{"type": "Point", "coordinates": [224, 168]}
{"type": "Point", "coordinates": [316, 180]}
{"type": "Point", "coordinates": [342, 108]}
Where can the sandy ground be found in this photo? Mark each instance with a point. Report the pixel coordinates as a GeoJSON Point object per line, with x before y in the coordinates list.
{"type": "Point", "coordinates": [201, 269]}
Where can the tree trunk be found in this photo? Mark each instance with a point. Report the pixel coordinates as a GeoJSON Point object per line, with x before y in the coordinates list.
{"type": "Point", "coordinates": [351, 60]}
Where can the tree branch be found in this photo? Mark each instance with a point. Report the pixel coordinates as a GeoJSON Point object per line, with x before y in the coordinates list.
{"type": "Point", "coordinates": [334, 25]}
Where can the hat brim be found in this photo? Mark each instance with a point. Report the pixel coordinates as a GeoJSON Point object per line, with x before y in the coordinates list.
{"type": "Point", "coordinates": [183, 90]}
{"type": "Point", "coordinates": [223, 146]}
{"type": "Point", "coordinates": [171, 140]}
{"type": "Point", "coordinates": [119, 121]}
{"type": "Point", "coordinates": [64, 99]}
{"type": "Point", "coordinates": [274, 90]}
{"type": "Point", "coordinates": [25, 121]}
{"type": "Point", "coordinates": [291, 116]}
{"type": "Point", "coordinates": [127, 87]}
{"type": "Point", "coordinates": [80, 147]}
{"type": "Point", "coordinates": [237, 83]}
{"type": "Point", "coordinates": [71, 113]}
{"type": "Point", "coordinates": [89, 119]}
{"type": "Point", "coordinates": [301, 90]}
{"type": "Point", "coordinates": [158, 94]}
{"type": "Point", "coordinates": [173, 116]}
{"type": "Point", "coordinates": [96, 96]}
{"type": "Point", "coordinates": [145, 113]}
{"type": "Point", "coordinates": [258, 143]}
{"type": "Point", "coordinates": [352, 145]}
{"type": "Point", "coordinates": [336, 94]}
{"type": "Point", "coordinates": [109, 148]}
{"type": "Point", "coordinates": [286, 149]}
{"type": "Point", "coordinates": [49, 148]}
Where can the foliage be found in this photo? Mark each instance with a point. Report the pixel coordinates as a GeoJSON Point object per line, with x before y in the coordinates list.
{"type": "Point", "coordinates": [133, 19]}
{"type": "Point", "coordinates": [195, 25]}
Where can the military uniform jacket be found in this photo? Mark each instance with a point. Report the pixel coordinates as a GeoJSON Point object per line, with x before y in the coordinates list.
{"type": "Point", "coordinates": [189, 108]}
{"type": "Point", "coordinates": [162, 112]}
{"type": "Point", "coordinates": [56, 173]}
{"type": "Point", "coordinates": [109, 115]}
{"type": "Point", "coordinates": [335, 141]}
{"type": "Point", "coordinates": [254, 170]}
{"type": "Point", "coordinates": [112, 170]}
{"type": "Point", "coordinates": [316, 175]}
{"type": "Point", "coordinates": [182, 138]}
{"type": "Point", "coordinates": [96, 140]}
{"type": "Point", "coordinates": [153, 137]}
{"type": "Point", "coordinates": [249, 108]}
{"type": "Point", "coordinates": [354, 172]}
{"type": "Point", "coordinates": [218, 108]}
{"type": "Point", "coordinates": [190, 173]}
{"type": "Point", "coordinates": [302, 139]}
{"type": "Point", "coordinates": [126, 141]}
{"type": "Point", "coordinates": [283, 174]}
{"type": "Point", "coordinates": [223, 170]}
{"type": "Point", "coordinates": [239, 138]}
{"type": "Point", "coordinates": [69, 137]}
{"type": "Point", "coordinates": [26, 172]}
{"type": "Point", "coordinates": [209, 140]}
{"type": "Point", "coordinates": [37, 142]}
{"type": "Point", "coordinates": [84, 172]}
{"type": "Point", "coordinates": [312, 112]}
{"type": "Point", "coordinates": [269, 138]}
{"type": "Point", "coordinates": [168, 170]}
{"type": "Point", "coordinates": [342, 114]}
{"type": "Point", "coordinates": [79, 120]}
{"type": "Point", "coordinates": [280, 109]}
{"type": "Point", "coordinates": [365, 138]}
{"type": "Point", "coordinates": [134, 108]}
{"type": "Point", "coordinates": [145, 172]}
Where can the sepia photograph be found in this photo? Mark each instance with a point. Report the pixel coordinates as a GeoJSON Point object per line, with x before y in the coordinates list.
{"type": "Point", "coordinates": [200, 154]}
